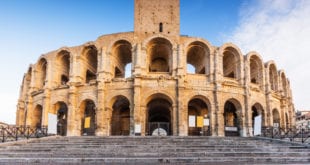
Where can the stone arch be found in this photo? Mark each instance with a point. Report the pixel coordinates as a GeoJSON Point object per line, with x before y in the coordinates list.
{"type": "Point", "coordinates": [61, 110]}
{"type": "Point", "coordinates": [122, 55]}
{"type": "Point", "coordinates": [41, 73]}
{"type": "Point", "coordinates": [87, 117]}
{"type": "Point", "coordinates": [198, 55]}
{"type": "Point", "coordinates": [232, 58]}
{"type": "Point", "coordinates": [232, 117]}
{"type": "Point", "coordinates": [256, 110]}
{"type": "Point", "coordinates": [272, 75]}
{"type": "Point", "coordinates": [26, 83]}
{"type": "Point", "coordinates": [37, 116]}
{"type": "Point", "coordinates": [90, 63]}
{"type": "Point", "coordinates": [63, 67]}
{"type": "Point", "coordinates": [256, 69]}
{"type": "Point", "coordinates": [159, 115]}
{"type": "Point", "coordinates": [120, 120]}
{"type": "Point", "coordinates": [276, 119]}
{"type": "Point", "coordinates": [283, 82]}
{"type": "Point", "coordinates": [159, 53]}
{"type": "Point", "coordinates": [198, 111]}
{"type": "Point", "coordinates": [160, 94]}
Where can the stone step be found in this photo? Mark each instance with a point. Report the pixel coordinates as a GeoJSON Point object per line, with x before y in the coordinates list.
{"type": "Point", "coordinates": [163, 160]}
{"type": "Point", "coordinates": [156, 150]}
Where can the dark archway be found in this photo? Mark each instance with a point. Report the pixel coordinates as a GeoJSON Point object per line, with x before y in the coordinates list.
{"type": "Point", "coordinates": [257, 110]}
{"type": "Point", "coordinates": [273, 77]}
{"type": "Point", "coordinates": [37, 116]}
{"type": "Point", "coordinates": [120, 123]}
{"type": "Point", "coordinates": [276, 118]}
{"type": "Point", "coordinates": [62, 118]}
{"type": "Point", "coordinates": [63, 62]}
{"type": "Point", "coordinates": [123, 59]}
{"type": "Point", "coordinates": [256, 70]}
{"type": "Point", "coordinates": [88, 113]}
{"type": "Point", "coordinates": [231, 63]}
{"type": "Point", "coordinates": [198, 57]}
{"type": "Point", "coordinates": [41, 73]}
{"type": "Point", "coordinates": [159, 52]}
{"type": "Point", "coordinates": [232, 121]}
{"type": "Point", "coordinates": [159, 117]}
{"type": "Point", "coordinates": [90, 55]}
{"type": "Point", "coordinates": [197, 113]}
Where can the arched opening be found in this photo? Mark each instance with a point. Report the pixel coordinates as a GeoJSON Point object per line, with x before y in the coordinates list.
{"type": "Point", "coordinates": [273, 77]}
{"type": "Point", "coordinates": [26, 83]}
{"type": "Point", "coordinates": [62, 115]}
{"type": "Point", "coordinates": [198, 118]}
{"type": "Point", "coordinates": [197, 56]}
{"type": "Point", "coordinates": [37, 116]}
{"type": "Point", "coordinates": [257, 110]}
{"type": "Point", "coordinates": [159, 117]}
{"type": "Point", "coordinates": [120, 123]}
{"type": "Point", "coordinates": [123, 59]}
{"type": "Point", "coordinates": [63, 67]}
{"type": "Point", "coordinates": [284, 86]}
{"type": "Point", "coordinates": [276, 118]}
{"type": "Point", "coordinates": [231, 63]}
{"type": "Point", "coordinates": [41, 73]}
{"type": "Point", "coordinates": [159, 52]}
{"type": "Point", "coordinates": [88, 114]}
{"type": "Point", "coordinates": [161, 27]}
{"type": "Point", "coordinates": [90, 55]}
{"type": "Point", "coordinates": [256, 70]}
{"type": "Point", "coordinates": [232, 120]}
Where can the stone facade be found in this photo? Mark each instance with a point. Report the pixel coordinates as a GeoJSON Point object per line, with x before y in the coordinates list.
{"type": "Point", "coordinates": [130, 83]}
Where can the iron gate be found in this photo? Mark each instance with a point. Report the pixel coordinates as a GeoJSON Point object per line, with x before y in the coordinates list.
{"type": "Point", "coordinates": [159, 128]}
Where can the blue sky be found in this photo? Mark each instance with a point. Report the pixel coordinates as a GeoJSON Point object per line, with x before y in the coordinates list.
{"type": "Point", "coordinates": [34, 27]}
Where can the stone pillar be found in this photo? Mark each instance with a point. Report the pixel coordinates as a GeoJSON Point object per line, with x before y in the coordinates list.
{"type": "Point", "coordinates": [247, 119]}
{"type": "Point", "coordinates": [138, 111]}
{"type": "Point", "coordinates": [217, 111]}
{"type": "Point", "coordinates": [100, 130]}
{"type": "Point", "coordinates": [46, 107]}
{"type": "Point", "coordinates": [73, 113]}
{"type": "Point", "coordinates": [213, 119]}
{"type": "Point", "coordinates": [29, 110]}
{"type": "Point", "coordinates": [143, 121]}
{"type": "Point", "coordinates": [175, 120]}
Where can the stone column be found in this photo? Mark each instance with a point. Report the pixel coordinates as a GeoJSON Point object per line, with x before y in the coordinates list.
{"type": "Point", "coordinates": [247, 120]}
{"type": "Point", "coordinates": [100, 130]}
{"type": "Point", "coordinates": [138, 111]}
{"type": "Point", "coordinates": [175, 120]}
{"type": "Point", "coordinates": [73, 113]}
{"type": "Point", "coordinates": [46, 107]}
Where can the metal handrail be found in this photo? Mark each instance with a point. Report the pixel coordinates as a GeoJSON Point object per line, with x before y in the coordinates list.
{"type": "Point", "coordinates": [299, 134]}
{"type": "Point", "coordinates": [15, 133]}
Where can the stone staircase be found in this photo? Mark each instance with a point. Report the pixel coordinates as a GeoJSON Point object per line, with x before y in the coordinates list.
{"type": "Point", "coordinates": [152, 150]}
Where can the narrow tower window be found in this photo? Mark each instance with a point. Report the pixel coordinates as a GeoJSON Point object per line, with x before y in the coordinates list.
{"type": "Point", "coordinates": [160, 27]}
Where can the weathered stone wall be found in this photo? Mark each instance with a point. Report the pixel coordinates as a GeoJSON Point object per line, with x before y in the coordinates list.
{"type": "Point", "coordinates": [69, 76]}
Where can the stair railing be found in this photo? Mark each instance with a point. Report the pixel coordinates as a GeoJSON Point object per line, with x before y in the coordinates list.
{"type": "Point", "coordinates": [15, 133]}
{"type": "Point", "coordinates": [299, 134]}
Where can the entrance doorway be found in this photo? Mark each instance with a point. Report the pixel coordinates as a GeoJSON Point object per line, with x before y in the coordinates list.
{"type": "Point", "coordinates": [120, 124]}
{"type": "Point", "coordinates": [231, 121]}
{"type": "Point", "coordinates": [89, 118]}
{"type": "Point", "coordinates": [62, 114]}
{"type": "Point", "coordinates": [198, 121]}
{"type": "Point", "coordinates": [159, 117]}
{"type": "Point", "coordinates": [257, 110]}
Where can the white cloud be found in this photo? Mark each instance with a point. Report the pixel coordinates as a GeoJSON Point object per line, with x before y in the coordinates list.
{"type": "Point", "coordinates": [279, 30]}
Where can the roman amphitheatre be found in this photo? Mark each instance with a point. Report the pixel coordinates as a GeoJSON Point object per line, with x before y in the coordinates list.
{"type": "Point", "coordinates": [154, 81]}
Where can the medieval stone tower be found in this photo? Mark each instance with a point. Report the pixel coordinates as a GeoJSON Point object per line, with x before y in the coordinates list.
{"type": "Point", "coordinates": [154, 81]}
